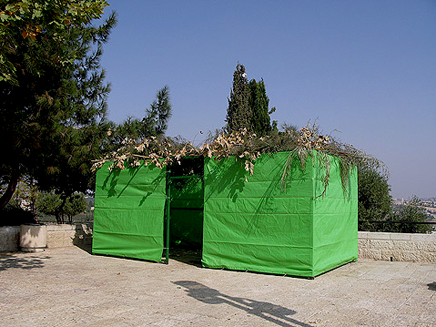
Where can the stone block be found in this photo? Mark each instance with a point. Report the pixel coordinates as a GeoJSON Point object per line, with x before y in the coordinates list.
{"type": "Point", "coordinates": [362, 235]}
{"type": "Point", "coordinates": [381, 244]}
{"type": "Point", "coordinates": [9, 238]}
{"type": "Point", "coordinates": [423, 237]}
{"type": "Point", "coordinates": [400, 236]}
{"type": "Point", "coordinates": [380, 236]}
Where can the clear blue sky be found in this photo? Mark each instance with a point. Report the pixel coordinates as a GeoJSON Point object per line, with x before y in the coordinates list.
{"type": "Point", "coordinates": [364, 68]}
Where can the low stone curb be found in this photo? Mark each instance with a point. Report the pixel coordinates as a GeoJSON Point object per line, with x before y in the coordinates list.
{"type": "Point", "coordinates": [58, 236]}
{"type": "Point", "coordinates": [372, 245]}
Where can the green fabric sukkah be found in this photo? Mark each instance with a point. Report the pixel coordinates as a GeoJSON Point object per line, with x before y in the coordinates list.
{"type": "Point", "coordinates": [247, 222]}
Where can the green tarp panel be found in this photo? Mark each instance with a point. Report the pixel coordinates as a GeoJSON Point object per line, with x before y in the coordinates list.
{"type": "Point", "coordinates": [335, 221]}
{"type": "Point", "coordinates": [258, 226]}
{"type": "Point", "coordinates": [129, 212]}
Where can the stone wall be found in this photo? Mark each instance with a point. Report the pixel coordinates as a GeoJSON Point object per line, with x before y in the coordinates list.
{"type": "Point", "coordinates": [397, 246]}
{"type": "Point", "coordinates": [376, 246]}
{"type": "Point", "coordinates": [64, 235]}
{"type": "Point", "coordinates": [58, 236]}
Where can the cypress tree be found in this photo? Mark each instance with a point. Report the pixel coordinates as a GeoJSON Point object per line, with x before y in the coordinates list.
{"type": "Point", "coordinates": [239, 112]}
{"type": "Point", "coordinates": [248, 105]}
{"type": "Point", "coordinates": [258, 102]}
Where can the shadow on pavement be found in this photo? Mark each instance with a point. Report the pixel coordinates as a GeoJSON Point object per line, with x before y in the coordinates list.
{"type": "Point", "coordinates": [270, 312]}
{"type": "Point", "coordinates": [83, 237]}
{"type": "Point", "coordinates": [190, 257]}
{"type": "Point", "coordinates": [13, 261]}
{"type": "Point", "coordinates": [84, 247]}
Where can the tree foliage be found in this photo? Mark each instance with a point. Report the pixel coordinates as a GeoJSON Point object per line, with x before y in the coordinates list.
{"type": "Point", "coordinates": [154, 123]}
{"type": "Point", "coordinates": [238, 111]}
{"type": "Point", "coordinates": [248, 105]}
{"type": "Point", "coordinates": [375, 201]}
{"type": "Point", "coordinates": [159, 113]}
{"type": "Point", "coordinates": [406, 215]}
{"type": "Point", "coordinates": [50, 203]}
{"type": "Point", "coordinates": [74, 205]}
{"type": "Point", "coordinates": [377, 212]}
{"type": "Point", "coordinates": [25, 194]}
{"type": "Point", "coordinates": [52, 92]}
{"type": "Point", "coordinates": [259, 103]}
{"type": "Point", "coordinates": [42, 28]}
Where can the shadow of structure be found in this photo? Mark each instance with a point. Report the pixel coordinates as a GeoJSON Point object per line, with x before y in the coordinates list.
{"type": "Point", "coordinates": [83, 237]}
{"type": "Point", "coordinates": [432, 286]}
{"type": "Point", "coordinates": [13, 261]}
{"type": "Point", "coordinates": [270, 312]}
{"type": "Point", "coordinates": [189, 256]}
{"type": "Point", "coordinates": [84, 247]}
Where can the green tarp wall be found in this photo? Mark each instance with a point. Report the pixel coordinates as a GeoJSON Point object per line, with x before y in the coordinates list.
{"type": "Point", "coordinates": [258, 226]}
{"type": "Point", "coordinates": [129, 212]}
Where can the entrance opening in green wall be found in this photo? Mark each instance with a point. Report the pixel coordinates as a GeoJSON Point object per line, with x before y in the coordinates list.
{"type": "Point", "coordinates": [185, 190]}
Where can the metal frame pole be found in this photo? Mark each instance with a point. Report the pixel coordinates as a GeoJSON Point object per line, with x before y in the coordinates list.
{"type": "Point", "coordinates": [167, 240]}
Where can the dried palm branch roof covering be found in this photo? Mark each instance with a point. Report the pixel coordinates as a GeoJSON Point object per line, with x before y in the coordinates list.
{"type": "Point", "coordinates": [163, 151]}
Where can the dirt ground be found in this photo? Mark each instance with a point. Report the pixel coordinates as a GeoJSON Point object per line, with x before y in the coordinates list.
{"type": "Point", "coordinates": [71, 287]}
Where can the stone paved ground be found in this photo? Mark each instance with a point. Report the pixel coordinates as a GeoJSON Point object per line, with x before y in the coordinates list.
{"type": "Point", "coordinates": [70, 287]}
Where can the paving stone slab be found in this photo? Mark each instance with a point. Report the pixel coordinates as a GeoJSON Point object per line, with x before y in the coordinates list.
{"type": "Point", "coordinates": [70, 287]}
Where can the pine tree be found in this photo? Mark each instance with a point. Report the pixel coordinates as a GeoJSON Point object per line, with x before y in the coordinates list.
{"type": "Point", "coordinates": [155, 122]}
{"type": "Point", "coordinates": [52, 92]}
{"type": "Point", "coordinates": [159, 113]}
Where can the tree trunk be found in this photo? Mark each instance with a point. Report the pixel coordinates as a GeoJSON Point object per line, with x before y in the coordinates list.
{"type": "Point", "coordinates": [61, 209]}
{"type": "Point", "coordinates": [35, 214]}
{"type": "Point", "coordinates": [13, 181]}
{"type": "Point", "coordinates": [58, 217]}
{"type": "Point", "coordinates": [33, 195]}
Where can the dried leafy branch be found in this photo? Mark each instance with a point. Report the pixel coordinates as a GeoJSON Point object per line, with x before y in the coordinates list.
{"type": "Point", "coordinates": [159, 151]}
{"type": "Point", "coordinates": [162, 151]}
